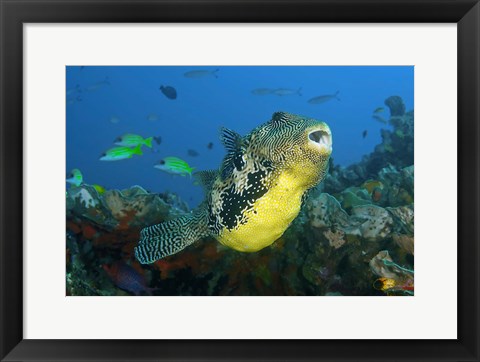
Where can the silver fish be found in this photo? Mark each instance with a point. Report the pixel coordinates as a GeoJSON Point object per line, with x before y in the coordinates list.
{"type": "Point", "coordinates": [262, 91]}
{"type": "Point", "coordinates": [98, 85]}
{"type": "Point", "coordinates": [287, 92]}
{"type": "Point", "coordinates": [201, 73]}
{"type": "Point", "coordinates": [324, 98]}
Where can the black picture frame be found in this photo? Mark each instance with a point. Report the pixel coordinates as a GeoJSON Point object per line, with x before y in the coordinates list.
{"type": "Point", "coordinates": [14, 13]}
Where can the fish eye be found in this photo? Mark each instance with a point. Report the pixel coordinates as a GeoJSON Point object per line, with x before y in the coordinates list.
{"type": "Point", "coordinates": [103, 154]}
{"type": "Point", "coordinates": [162, 162]}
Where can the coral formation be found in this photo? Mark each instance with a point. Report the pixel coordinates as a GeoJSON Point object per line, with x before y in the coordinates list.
{"type": "Point", "coordinates": [354, 236]}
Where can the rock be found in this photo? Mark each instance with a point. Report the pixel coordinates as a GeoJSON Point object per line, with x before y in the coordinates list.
{"type": "Point", "coordinates": [336, 239]}
{"type": "Point", "coordinates": [326, 211]}
{"type": "Point", "coordinates": [396, 106]}
{"type": "Point", "coordinates": [133, 207]}
{"type": "Point", "coordinates": [403, 219]}
{"type": "Point", "coordinates": [375, 222]}
{"type": "Point", "coordinates": [405, 242]}
{"type": "Point", "coordinates": [383, 266]}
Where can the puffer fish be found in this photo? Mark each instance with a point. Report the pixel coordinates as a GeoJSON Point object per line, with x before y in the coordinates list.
{"type": "Point", "coordinates": [255, 194]}
{"type": "Point", "coordinates": [324, 98]}
{"type": "Point", "coordinates": [133, 140]}
{"type": "Point", "coordinates": [174, 166]}
{"type": "Point", "coordinates": [120, 153]}
{"type": "Point", "coordinates": [75, 177]}
{"type": "Point", "coordinates": [201, 73]}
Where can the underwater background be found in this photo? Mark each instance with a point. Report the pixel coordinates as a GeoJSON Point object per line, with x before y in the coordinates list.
{"type": "Point", "coordinates": [354, 235]}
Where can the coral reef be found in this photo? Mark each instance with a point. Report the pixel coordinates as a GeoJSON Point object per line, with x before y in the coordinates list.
{"type": "Point", "coordinates": [354, 236]}
{"type": "Point", "coordinates": [395, 151]}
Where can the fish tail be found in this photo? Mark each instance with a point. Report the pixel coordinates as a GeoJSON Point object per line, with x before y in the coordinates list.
{"type": "Point", "coordinates": [170, 237]}
{"type": "Point", "coordinates": [148, 142]}
{"type": "Point", "coordinates": [215, 72]}
{"type": "Point", "coordinates": [336, 95]}
{"type": "Point", "coordinates": [137, 150]}
{"type": "Point", "coordinates": [299, 91]}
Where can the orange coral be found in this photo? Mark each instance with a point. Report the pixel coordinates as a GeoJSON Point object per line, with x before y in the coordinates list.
{"type": "Point", "coordinates": [75, 228]}
{"type": "Point", "coordinates": [124, 221]}
{"type": "Point", "coordinates": [88, 231]}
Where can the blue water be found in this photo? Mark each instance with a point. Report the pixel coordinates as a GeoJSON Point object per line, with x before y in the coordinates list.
{"type": "Point", "coordinates": [106, 102]}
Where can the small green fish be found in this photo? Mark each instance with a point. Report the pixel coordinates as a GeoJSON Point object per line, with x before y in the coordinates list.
{"type": "Point", "coordinates": [379, 110]}
{"type": "Point", "coordinates": [175, 166]}
{"type": "Point", "coordinates": [100, 189]}
{"type": "Point", "coordinates": [120, 153]}
{"type": "Point", "coordinates": [75, 177]}
{"type": "Point", "coordinates": [133, 140]}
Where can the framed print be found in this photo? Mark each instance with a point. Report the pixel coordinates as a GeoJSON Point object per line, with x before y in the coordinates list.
{"type": "Point", "coordinates": [218, 180]}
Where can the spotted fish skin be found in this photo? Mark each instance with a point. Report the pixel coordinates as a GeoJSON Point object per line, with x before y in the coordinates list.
{"type": "Point", "coordinates": [257, 192]}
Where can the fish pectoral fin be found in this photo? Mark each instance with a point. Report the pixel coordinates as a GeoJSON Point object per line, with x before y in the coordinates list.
{"type": "Point", "coordinates": [233, 143]}
{"type": "Point", "coordinates": [206, 179]}
{"type": "Point", "coordinates": [230, 139]}
{"type": "Point", "coordinates": [170, 237]}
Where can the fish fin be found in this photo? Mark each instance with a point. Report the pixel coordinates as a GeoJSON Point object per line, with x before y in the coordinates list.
{"type": "Point", "coordinates": [148, 142]}
{"type": "Point", "coordinates": [206, 179]}
{"type": "Point", "coordinates": [137, 150]}
{"type": "Point", "coordinates": [170, 237]}
{"type": "Point", "coordinates": [305, 197]}
{"type": "Point", "coordinates": [299, 91]}
{"type": "Point", "coordinates": [233, 143]}
{"type": "Point", "coordinates": [280, 117]}
{"type": "Point", "coordinates": [230, 139]}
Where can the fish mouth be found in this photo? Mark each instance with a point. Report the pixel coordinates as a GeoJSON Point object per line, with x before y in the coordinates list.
{"type": "Point", "coordinates": [321, 138]}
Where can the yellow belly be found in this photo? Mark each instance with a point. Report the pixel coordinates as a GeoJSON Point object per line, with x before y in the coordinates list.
{"type": "Point", "coordinates": [270, 217]}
